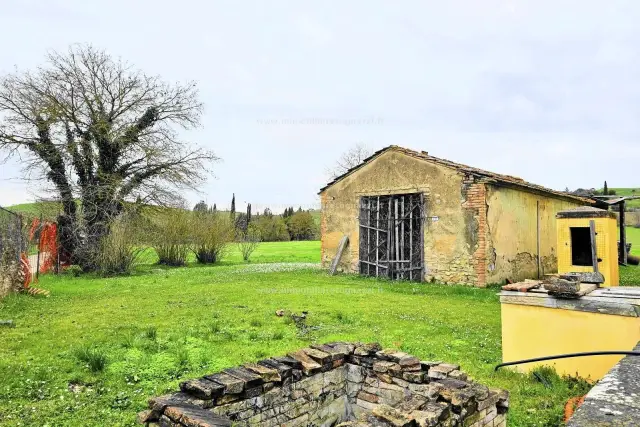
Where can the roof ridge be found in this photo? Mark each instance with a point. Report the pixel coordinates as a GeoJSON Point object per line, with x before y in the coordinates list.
{"type": "Point", "coordinates": [424, 155]}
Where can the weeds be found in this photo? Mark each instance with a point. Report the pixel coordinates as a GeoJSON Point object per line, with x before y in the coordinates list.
{"type": "Point", "coordinates": [94, 358]}
{"type": "Point", "coordinates": [151, 333]}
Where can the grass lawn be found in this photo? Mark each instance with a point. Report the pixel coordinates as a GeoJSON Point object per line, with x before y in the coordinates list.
{"type": "Point", "coordinates": [630, 275]}
{"type": "Point", "coordinates": [160, 326]}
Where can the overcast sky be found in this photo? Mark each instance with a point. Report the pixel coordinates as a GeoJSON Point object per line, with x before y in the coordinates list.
{"type": "Point", "coordinates": [547, 90]}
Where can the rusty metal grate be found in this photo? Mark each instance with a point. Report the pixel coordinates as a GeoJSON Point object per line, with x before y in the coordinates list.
{"type": "Point", "coordinates": [391, 236]}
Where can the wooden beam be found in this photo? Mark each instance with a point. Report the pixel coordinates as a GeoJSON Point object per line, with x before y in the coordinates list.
{"type": "Point", "coordinates": [594, 250]}
{"type": "Point", "coordinates": [377, 236]}
{"type": "Point", "coordinates": [389, 240]}
{"type": "Point", "coordinates": [402, 231]}
{"type": "Point", "coordinates": [395, 223]}
{"type": "Point", "coordinates": [336, 260]}
{"type": "Point", "coordinates": [622, 258]}
{"type": "Point", "coordinates": [411, 239]}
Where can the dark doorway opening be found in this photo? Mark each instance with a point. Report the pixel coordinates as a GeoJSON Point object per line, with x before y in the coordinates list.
{"type": "Point", "coordinates": [581, 246]}
{"type": "Point", "coordinates": [391, 236]}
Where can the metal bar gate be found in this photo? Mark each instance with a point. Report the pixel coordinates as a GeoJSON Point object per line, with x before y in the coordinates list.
{"type": "Point", "coordinates": [391, 236]}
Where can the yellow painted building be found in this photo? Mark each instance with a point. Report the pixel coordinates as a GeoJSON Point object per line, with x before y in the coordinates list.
{"type": "Point", "coordinates": [474, 227]}
{"type": "Point", "coordinates": [574, 242]}
{"type": "Point", "coordinates": [537, 325]}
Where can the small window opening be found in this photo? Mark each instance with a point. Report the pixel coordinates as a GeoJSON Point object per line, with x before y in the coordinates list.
{"type": "Point", "coordinates": [581, 246]}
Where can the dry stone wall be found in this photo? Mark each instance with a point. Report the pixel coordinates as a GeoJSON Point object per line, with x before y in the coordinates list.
{"type": "Point", "coordinates": [334, 384]}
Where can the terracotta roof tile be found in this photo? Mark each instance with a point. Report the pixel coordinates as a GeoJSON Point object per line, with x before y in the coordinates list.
{"type": "Point", "coordinates": [490, 176]}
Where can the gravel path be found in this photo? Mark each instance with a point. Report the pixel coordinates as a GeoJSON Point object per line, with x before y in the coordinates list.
{"type": "Point", "coordinates": [275, 267]}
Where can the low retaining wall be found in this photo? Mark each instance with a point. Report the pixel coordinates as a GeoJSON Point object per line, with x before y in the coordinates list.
{"type": "Point", "coordinates": [615, 400]}
{"type": "Point", "coordinates": [345, 384]}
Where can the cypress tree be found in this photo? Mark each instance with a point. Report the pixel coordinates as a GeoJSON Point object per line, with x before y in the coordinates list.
{"type": "Point", "coordinates": [248, 213]}
{"type": "Point", "coordinates": [606, 189]}
{"type": "Point", "coordinates": [233, 207]}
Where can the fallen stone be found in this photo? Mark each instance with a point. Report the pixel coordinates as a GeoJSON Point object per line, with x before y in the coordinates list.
{"type": "Point", "coordinates": [283, 370]}
{"type": "Point", "coordinates": [232, 385]}
{"type": "Point", "coordinates": [157, 404]}
{"type": "Point", "coordinates": [335, 353]}
{"type": "Point", "coordinates": [367, 349]}
{"type": "Point", "coordinates": [309, 366]}
{"type": "Point", "coordinates": [289, 361]}
{"type": "Point", "coordinates": [392, 416]}
{"type": "Point", "coordinates": [195, 417]}
{"type": "Point", "coordinates": [585, 277]}
{"type": "Point", "coordinates": [267, 374]}
{"type": "Point", "coordinates": [431, 415]}
{"type": "Point", "coordinates": [562, 286]}
{"type": "Point", "coordinates": [250, 379]}
{"type": "Point", "coordinates": [319, 356]}
{"type": "Point", "coordinates": [202, 388]}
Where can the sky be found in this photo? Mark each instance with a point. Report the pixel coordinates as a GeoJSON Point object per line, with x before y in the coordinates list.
{"type": "Point", "coordinates": [545, 90]}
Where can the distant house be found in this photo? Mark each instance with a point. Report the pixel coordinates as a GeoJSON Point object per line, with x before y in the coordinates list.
{"type": "Point", "coordinates": [409, 215]}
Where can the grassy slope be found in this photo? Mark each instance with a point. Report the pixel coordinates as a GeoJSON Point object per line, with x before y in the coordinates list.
{"type": "Point", "coordinates": [208, 318]}
{"type": "Point", "coordinates": [629, 192]}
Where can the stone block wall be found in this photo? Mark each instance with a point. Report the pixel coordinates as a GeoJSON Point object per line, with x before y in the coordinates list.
{"type": "Point", "coordinates": [335, 384]}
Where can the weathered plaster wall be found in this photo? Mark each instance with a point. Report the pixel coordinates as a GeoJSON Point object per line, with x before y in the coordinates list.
{"type": "Point", "coordinates": [512, 228]}
{"type": "Point", "coordinates": [451, 237]}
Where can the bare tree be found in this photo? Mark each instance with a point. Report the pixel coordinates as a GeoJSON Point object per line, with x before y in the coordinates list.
{"type": "Point", "coordinates": [349, 159]}
{"type": "Point", "coordinates": [100, 131]}
{"type": "Point", "coordinates": [248, 242]}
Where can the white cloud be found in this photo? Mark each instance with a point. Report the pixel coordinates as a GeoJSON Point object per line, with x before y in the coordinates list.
{"type": "Point", "coordinates": [515, 86]}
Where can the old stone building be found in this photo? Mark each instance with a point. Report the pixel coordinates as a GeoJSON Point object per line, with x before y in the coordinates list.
{"type": "Point", "coordinates": [413, 216]}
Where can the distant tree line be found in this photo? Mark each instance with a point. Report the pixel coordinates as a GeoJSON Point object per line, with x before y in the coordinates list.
{"type": "Point", "coordinates": [268, 227]}
{"type": "Point", "coordinates": [587, 192]}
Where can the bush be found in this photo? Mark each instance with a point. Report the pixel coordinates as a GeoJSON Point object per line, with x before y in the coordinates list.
{"type": "Point", "coordinates": [301, 226]}
{"type": "Point", "coordinates": [74, 270]}
{"type": "Point", "coordinates": [211, 234]}
{"type": "Point", "coordinates": [248, 242]}
{"type": "Point", "coordinates": [119, 250]}
{"type": "Point", "coordinates": [271, 228]}
{"type": "Point", "coordinates": [171, 231]}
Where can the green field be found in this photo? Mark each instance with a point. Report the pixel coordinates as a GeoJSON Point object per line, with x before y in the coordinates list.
{"type": "Point", "coordinates": [164, 325]}
{"type": "Point", "coordinates": [630, 275]}
{"type": "Point", "coordinates": [628, 192]}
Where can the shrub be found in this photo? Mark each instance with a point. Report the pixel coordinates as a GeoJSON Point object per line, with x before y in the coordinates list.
{"type": "Point", "coordinates": [94, 358]}
{"type": "Point", "coordinates": [271, 228]}
{"type": "Point", "coordinates": [171, 236]}
{"type": "Point", "coordinates": [119, 250]}
{"type": "Point", "coordinates": [248, 242]}
{"type": "Point", "coordinates": [211, 234]}
{"type": "Point", "coordinates": [301, 226]}
{"type": "Point", "coordinates": [74, 270]}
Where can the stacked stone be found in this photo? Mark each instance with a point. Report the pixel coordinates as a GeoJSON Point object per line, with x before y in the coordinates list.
{"type": "Point", "coordinates": [324, 385]}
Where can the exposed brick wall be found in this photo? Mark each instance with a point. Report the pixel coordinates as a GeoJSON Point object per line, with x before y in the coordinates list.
{"type": "Point", "coordinates": [476, 201]}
